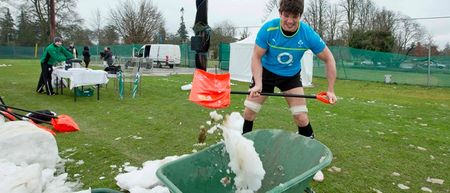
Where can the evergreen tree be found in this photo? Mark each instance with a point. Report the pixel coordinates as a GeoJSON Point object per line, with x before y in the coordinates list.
{"type": "Point", "coordinates": [160, 38]}
{"type": "Point", "coordinates": [25, 33]}
{"type": "Point", "coordinates": [7, 30]}
{"type": "Point", "coordinates": [182, 30]}
{"type": "Point", "coordinates": [374, 40]}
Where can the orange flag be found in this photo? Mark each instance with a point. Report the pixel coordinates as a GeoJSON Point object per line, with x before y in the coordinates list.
{"type": "Point", "coordinates": [210, 90]}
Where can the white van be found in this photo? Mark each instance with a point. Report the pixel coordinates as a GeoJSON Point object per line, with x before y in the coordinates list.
{"type": "Point", "coordinates": [161, 54]}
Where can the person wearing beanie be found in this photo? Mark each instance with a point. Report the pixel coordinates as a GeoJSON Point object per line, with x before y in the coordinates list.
{"type": "Point", "coordinates": [53, 54]}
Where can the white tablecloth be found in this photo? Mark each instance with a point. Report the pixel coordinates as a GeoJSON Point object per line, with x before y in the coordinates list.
{"type": "Point", "coordinates": [82, 76]}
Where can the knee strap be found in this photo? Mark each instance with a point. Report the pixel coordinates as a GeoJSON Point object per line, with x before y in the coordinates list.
{"type": "Point", "coordinates": [255, 107]}
{"type": "Point", "coordinates": [298, 109]}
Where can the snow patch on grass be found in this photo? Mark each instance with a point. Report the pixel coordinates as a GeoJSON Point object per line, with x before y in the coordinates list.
{"type": "Point", "coordinates": [435, 181]}
{"type": "Point", "coordinates": [403, 187]}
{"type": "Point", "coordinates": [426, 189]}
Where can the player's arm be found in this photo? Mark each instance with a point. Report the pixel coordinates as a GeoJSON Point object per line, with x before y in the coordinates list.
{"type": "Point", "coordinates": [330, 66]}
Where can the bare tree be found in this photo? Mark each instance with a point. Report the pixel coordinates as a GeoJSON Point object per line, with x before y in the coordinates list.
{"type": "Point", "coordinates": [96, 23]}
{"type": "Point", "coordinates": [407, 32]}
{"type": "Point", "coordinates": [270, 5]}
{"type": "Point", "coordinates": [222, 32]}
{"type": "Point", "coordinates": [446, 50]}
{"type": "Point", "coordinates": [315, 15]}
{"type": "Point", "coordinates": [137, 23]}
{"type": "Point", "coordinates": [385, 21]}
{"type": "Point", "coordinates": [225, 29]}
{"type": "Point", "coordinates": [334, 20]}
{"type": "Point", "coordinates": [244, 34]}
{"type": "Point", "coordinates": [366, 10]}
{"type": "Point", "coordinates": [66, 16]}
{"type": "Point", "coordinates": [350, 9]}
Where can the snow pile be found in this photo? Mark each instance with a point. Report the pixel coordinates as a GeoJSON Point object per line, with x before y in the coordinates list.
{"type": "Point", "coordinates": [22, 142]}
{"type": "Point", "coordinates": [244, 161]}
{"type": "Point", "coordinates": [2, 120]}
{"type": "Point", "coordinates": [28, 161]}
{"type": "Point", "coordinates": [143, 180]}
{"type": "Point", "coordinates": [214, 122]}
{"type": "Point", "coordinates": [215, 116]}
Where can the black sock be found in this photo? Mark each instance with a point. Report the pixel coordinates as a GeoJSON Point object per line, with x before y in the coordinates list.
{"type": "Point", "coordinates": [306, 131]}
{"type": "Point", "coordinates": [248, 126]}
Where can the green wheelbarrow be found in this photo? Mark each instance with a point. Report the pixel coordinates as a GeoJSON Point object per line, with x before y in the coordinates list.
{"type": "Point", "coordinates": [104, 190]}
{"type": "Point", "coordinates": [290, 162]}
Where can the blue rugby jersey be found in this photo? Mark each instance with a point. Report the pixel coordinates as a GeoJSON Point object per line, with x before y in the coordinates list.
{"type": "Point", "coordinates": [283, 53]}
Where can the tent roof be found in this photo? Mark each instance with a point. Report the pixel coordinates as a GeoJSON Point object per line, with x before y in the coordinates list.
{"type": "Point", "coordinates": [254, 31]}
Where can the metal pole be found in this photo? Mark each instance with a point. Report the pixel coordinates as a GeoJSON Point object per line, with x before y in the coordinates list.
{"type": "Point", "coordinates": [429, 65]}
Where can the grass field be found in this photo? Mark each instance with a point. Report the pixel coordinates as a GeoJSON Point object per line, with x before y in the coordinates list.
{"type": "Point", "coordinates": [373, 131]}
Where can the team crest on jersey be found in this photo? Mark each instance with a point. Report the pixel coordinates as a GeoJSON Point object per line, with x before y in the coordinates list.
{"type": "Point", "coordinates": [285, 58]}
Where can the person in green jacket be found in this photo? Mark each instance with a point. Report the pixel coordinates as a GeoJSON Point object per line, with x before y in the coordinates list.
{"type": "Point", "coordinates": [53, 54]}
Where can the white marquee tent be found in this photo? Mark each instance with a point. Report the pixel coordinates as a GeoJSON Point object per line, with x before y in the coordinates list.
{"type": "Point", "coordinates": [241, 54]}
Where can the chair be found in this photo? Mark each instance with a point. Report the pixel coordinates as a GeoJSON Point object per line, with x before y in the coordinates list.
{"type": "Point", "coordinates": [113, 74]}
{"type": "Point", "coordinates": [134, 79]}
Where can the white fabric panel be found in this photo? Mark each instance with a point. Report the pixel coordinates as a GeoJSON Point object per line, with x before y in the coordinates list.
{"type": "Point", "coordinates": [240, 61]}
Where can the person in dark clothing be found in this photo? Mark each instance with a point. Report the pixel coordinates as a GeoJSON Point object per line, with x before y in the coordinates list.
{"type": "Point", "coordinates": [108, 59]}
{"type": "Point", "coordinates": [86, 56]}
{"type": "Point", "coordinates": [53, 54]}
{"type": "Point", "coordinates": [107, 56]}
{"type": "Point", "coordinates": [74, 52]}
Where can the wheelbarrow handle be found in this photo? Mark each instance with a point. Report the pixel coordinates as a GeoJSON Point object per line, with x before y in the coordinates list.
{"type": "Point", "coordinates": [322, 96]}
{"type": "Point", "coordinates": [20, 116]}
{"type": "Point", "coordinates": [24, 110]}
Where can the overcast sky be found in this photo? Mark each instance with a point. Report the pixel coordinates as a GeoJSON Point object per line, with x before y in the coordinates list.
{"type": "Point", "coordinates": [251, 12]}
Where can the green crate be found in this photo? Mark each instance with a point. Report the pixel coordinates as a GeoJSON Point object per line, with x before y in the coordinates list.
{"type": "Point", "coordinates": [84, 92]}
